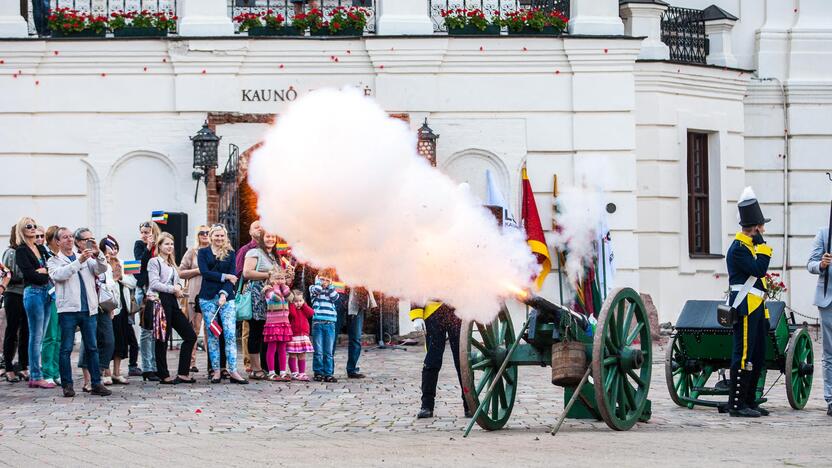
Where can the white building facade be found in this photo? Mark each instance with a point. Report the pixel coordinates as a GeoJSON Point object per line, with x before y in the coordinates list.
{"type": "Point", "coordinates": [96, 131]}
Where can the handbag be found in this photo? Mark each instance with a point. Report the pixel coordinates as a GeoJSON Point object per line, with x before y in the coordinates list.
{"type": "Point", "coordinates": [242, 302]}
{"type": "Point", "coordinates": [106, 299]}
{"type": "Point", "coordinates": [728, 315]}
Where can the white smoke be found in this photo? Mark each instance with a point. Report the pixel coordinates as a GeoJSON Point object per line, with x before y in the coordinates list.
{"type": "Point", "coordinates": [580, 210]}
{"type": "Point", "coordinates": [341, 181]}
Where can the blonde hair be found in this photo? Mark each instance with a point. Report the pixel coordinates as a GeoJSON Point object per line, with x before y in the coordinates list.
{"type": "Point", "coordinates": [154, 228]}
{"type": "Point", "coordinates": [169, 259]}
{"type": "Point", "coordinates": [20, 226]}
{"type": "Point", "coordinates": [201, 227]}
{"type": "Point", "coordinates": [226, 246]}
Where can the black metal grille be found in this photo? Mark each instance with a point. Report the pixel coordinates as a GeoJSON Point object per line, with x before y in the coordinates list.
{"type": "Point", "coordinates": [287, 8]}
{"type": "Point", "coordinates": [503, 6]}
{"type": "Point", "coordinates": [104, 7]}
{"type": "Point", "coordinates": [683, 30]}
{"type": "Point", "coordinates": [229, 187]}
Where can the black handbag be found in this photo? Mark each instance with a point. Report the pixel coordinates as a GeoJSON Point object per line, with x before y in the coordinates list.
{"type": "Point", "coordinates": [728, 315]}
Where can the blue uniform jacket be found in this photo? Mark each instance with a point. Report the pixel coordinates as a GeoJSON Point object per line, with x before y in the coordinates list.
{"type": "Point", "coordinates": [745, 259]}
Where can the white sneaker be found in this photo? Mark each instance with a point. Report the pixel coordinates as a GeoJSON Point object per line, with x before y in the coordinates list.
{"type": "Point", "coordinates": [57, 381]}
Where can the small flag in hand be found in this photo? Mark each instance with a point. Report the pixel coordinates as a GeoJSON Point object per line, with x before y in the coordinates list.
{"type": "Point", "coordinates": [283, 249]}
{"type": "Point", "coordinates": [215, 328]}
{"type": "Point", "coordinates": [159, 217]}
{"type": "Point", "coordinates": [340, 287]}
{"type": "Point", "coordinates": [132, 267]}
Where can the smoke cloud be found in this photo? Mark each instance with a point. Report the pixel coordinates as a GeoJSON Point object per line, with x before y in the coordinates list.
{"type": "Point", "coordinates": [341, 181]}
{"type": "Point", "coordinates": [580, 210]}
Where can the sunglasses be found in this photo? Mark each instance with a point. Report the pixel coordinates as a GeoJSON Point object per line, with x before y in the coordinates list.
{"type": "Point", "coordinates": [202, 233]}
{"type": "Point", "coordinates": [31, 226]}
{"type": "Point", "coordinates": [39, 236]}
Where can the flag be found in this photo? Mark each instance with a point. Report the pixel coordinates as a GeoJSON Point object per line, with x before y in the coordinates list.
{"type": "Point", "coordinates": [215, 328]}
{"type": "Point", "coordinates": [534, 230]}
{"type": "Point", "coordinates": [159, 217]}
{"type": "Point", "coordinates": [340, 287]}
{"type": "Point", "coordinates": [132, 267]}
{"type": "Point", "coordinates": [283, 249]}
{"type": "Point", "coordinates": [494, 197]}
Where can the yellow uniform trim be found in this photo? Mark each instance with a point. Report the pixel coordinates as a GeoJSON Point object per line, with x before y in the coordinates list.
{"type": "Point", "coordinates": [744, 341]}
{"type": "Point", "coordinates": [753, 300]}
{"type": "Point", "coordinates": [423, 314]}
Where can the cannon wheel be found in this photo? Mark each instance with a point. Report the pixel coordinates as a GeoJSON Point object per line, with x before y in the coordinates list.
{"type": "Point", "coordinates": [680, 381]}
{"type": "Point", "coordinates": [799, 356]}
{"type": "Point", "coordinates": [480, 359]}
{"type": "Point", "coordinates": [622, 359]}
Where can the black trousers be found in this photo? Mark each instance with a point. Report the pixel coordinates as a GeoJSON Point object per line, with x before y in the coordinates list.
{"type": "Point", "coordinates": [177, 321]}
{"type": "Point", "coordinates": [748, 358]}
{"type": "Point", "coordinates": [16, 337]}
{"type": "Point", "coordinates": [441, 325]}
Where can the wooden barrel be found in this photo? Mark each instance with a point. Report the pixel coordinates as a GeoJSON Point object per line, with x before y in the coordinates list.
{"type": "Point", "coordinates": [568, 363]}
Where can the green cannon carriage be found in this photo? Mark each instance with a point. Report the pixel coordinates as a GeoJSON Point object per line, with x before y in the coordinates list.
{"type": "Point", "coordinates": [700, 348]}
{"type": "Point", "coordinates": [616, 351]}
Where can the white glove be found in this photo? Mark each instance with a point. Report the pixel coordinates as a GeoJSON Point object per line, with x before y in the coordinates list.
{"type": "Point", "coordinates": [419, 325]}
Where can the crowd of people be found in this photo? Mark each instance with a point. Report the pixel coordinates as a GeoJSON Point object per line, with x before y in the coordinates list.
{"type": "Point", "coordinates": [57, 281]}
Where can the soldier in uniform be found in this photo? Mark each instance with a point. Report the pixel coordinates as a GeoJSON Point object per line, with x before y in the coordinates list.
{"type": "Point", "coordinates": [438, 322]}
{"type": "Point", "coordinates": [748, 257]}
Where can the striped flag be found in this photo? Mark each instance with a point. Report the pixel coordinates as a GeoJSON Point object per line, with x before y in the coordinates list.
{"type": "Point", "coordinates": [159, 217]}
{"type": "Point", "coordinates": [534, 230]}
{"type": "Point", "coordinates": [132, 267]}
{"type": "Point", "coordinates": [215, 328]}
{"type": "Point", "coordinates": [340, 287]}
{"type": "Point", "coordinates": [283, 249]}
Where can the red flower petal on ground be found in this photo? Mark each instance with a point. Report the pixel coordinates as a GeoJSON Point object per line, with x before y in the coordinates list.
{"type": "Point", "coordinates": [145, 68]}
{"type": "Point", "coordinates": [198, 411]}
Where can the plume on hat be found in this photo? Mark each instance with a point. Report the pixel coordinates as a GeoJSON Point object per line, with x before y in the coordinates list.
{"type": "Point", "coordinates": [747, 194]}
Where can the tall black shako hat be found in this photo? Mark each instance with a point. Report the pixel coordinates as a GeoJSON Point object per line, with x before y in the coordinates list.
{"type": "Point", "coordinates": [750, 213]}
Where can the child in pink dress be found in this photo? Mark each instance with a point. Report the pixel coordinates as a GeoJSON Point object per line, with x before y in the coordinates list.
{"type": "Point", "coordinates": [277, 332]}
{"type": "Point", "coordinates": [299, 315]}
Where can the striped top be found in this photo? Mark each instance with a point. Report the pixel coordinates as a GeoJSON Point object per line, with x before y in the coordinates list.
{"type": "Point", "coordinates": [323, 303]}
{"type": "Point", "coordinates": [277, 304]}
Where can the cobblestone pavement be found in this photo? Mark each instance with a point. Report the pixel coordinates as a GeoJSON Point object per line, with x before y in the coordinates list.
{"type": "Point", "coordinates": [372, 422]}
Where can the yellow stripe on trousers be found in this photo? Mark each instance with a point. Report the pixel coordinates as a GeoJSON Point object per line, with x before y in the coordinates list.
{"type": "Point", "coordinates": [744, 341]}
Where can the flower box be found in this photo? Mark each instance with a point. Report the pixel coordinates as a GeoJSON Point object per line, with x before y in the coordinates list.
{"type": "Point", "coordinates": [282, 31]}
{"type": "Point", "coordinates": [131, 31]}
{"type": "Point", "coordinates": [471, 30]}
{"type": "Point", "coordinates": [546, 31]}
{"type": "Point", "coordinates": [84, 33]}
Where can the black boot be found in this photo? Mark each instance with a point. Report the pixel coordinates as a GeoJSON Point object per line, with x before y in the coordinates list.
{"type": "Point", "coordinates": [425, 413]}
{"type": "Point", "coordinates": [751, 393]}
{"type": "Point", "coordinates": [430, 377]}
{"type": "Point", "coordinates": [740, 379]}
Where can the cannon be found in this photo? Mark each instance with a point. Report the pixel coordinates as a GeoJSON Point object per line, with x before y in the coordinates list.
{"type": "Point", "coordinates": [615, 350]}
{"type": "Point", "coordinates": [700, 350]}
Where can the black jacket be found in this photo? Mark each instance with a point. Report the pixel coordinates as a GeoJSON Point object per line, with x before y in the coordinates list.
{"type": "Point", "coordinates": [141, 252]}
{"type": "Point", "coordinates": [28, 263]}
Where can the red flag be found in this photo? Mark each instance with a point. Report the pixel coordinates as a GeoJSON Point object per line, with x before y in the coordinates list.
{"type": "Point", "coordinates": [534, 230]}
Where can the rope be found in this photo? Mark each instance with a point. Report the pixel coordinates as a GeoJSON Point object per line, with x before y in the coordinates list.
{"type": "Point", "coordinates": [773, 384]}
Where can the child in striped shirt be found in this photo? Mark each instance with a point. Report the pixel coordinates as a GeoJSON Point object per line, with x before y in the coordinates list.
{"type": "Point", "coordinates": [324, 296]}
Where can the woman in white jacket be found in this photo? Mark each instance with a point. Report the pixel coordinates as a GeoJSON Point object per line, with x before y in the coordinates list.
{"type": "Point", "coordinates": [163, 282]}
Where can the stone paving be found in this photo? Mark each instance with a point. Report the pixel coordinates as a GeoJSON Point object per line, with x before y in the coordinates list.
{"type": "Point", "coordinates": [373, 420]}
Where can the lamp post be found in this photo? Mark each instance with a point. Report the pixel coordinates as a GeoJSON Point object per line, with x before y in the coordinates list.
{"type": "Point", "coordinates": [427, 143]}
{"type": "Point", "coordinates": [206, 143]}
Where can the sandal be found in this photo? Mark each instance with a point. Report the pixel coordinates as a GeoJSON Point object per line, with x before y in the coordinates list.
{"type": "Point", "coordinates": [330, 378]}
{"type": "Point", "coordinates": [14, 379]}
{"type": "Point", "coordinates": [285, 376]}
{"type": "Point", "coordinates": [225, 375]}
{"type": "Point", "coordinates": [301, 377]}
{"type": "Point", "coordinates": [318, 378]}
{"type": "Point", "coordinates": [257, 375]}
{"type": "Point", "coordinates": [273, 378]}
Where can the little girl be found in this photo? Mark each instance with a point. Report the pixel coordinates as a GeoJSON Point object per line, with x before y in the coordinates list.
{"type": "Point", "coordinates": [299, 315]}
{"type": "Point", "coordinates": [277, 331]}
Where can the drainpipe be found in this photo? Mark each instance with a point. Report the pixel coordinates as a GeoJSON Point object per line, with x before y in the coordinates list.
{"type": "Point", "coordinates": [784, 95]}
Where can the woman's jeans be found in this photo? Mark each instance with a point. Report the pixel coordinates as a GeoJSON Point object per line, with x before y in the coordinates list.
{"type": "Point", "coordinates": [147, 344]}
{"type": "Point", "coordinates": [227, 317]}
{"type": "Point", "coordinates": [36, 301]}
{"type": "Point", "coordinates": [105, 340]}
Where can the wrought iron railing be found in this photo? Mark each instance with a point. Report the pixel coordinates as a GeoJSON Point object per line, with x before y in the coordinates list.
{"type": "Point", "coordinates": [435, 7]}
{"type": "Point", "coordinates": [287, 8]}
{"type": "Point", "coordinates": [683, 30]}
{"type": "Point", "coordinates": [103, 7]}
{"type": "Point", "coordinates": [229, 186]}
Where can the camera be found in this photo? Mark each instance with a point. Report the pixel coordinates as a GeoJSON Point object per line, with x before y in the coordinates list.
{"type": "Point", "coordinates": [90, 244]}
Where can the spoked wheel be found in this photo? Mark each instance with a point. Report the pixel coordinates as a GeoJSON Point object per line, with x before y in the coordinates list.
{"type": "Point", "coordinates": [622, 359]}
{"type": "Point", "coordinates": [482, 349]}
{"type": "Point", "coordinates": [680, 375]}
{"type": "Point", "coordinates": [799, 368]}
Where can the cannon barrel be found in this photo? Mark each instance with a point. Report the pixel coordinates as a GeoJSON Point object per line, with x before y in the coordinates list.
{"type": "Point", "coordinates": [553, 311]}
